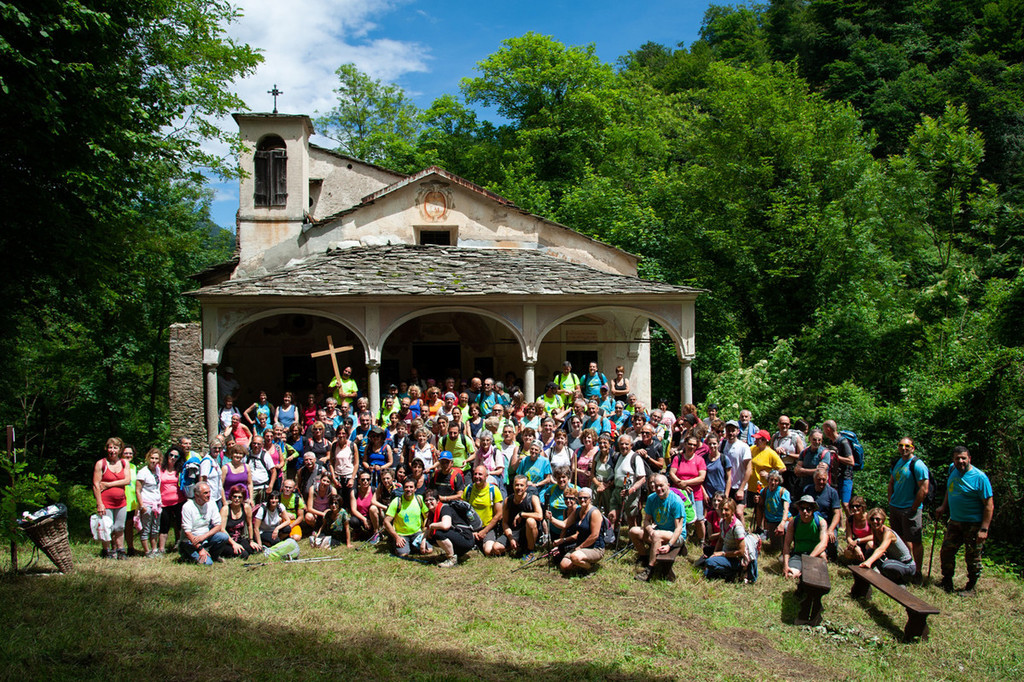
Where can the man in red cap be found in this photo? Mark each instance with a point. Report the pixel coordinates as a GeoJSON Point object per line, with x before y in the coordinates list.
{"type": "Point", "coordinates": [763, 460]}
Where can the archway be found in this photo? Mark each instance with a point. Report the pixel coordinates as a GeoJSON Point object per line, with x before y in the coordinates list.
{"type": "Point", "coordinates": [454, 343]}
{"type": "Point", "coordinates": [273, 354]}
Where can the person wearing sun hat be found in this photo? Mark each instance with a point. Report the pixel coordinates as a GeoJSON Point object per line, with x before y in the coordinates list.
{"type": "Point", "coordinates": [806, 535]}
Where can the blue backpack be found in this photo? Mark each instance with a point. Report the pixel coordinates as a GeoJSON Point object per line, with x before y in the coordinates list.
{"type": "Point", "coordinates": [858, 449]}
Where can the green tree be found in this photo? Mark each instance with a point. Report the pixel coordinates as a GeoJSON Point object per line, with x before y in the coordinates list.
{"type": "Point", "coordinates": [373, 120]}
{"type": "Point", "coordinates": [105, 106]}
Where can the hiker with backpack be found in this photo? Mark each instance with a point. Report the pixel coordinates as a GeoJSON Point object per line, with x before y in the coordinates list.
{"type": "Point", "coordinates": [909, 486]}
{"type": "Point", "coordinates": [445, 529]}
{"type": "Point", "coordinates": [404, 522]}
{"type": "Point", "coordinates": [806, 535]}
{"type": "Point", "coordinates": [486, 500]}
{"type": "Point", "coordinates": [829, 506]}
{"type": "Point", "coordinates": [843, 461]}
{"type": "Point", "coordinates": [448, 480]}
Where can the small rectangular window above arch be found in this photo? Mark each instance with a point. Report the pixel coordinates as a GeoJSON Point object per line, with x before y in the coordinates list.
{"type": "Point", "coordinates": [440, 236]}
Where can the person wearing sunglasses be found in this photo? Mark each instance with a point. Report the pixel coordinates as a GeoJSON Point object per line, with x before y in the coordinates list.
{"type": "Point", "coordinates": [589, 524]}
{"type": "Point", "coordinates": [807, 534]}
{"type": "Point", "coordinates": [891, 557]}
{"type": "Point", "coordinates": [858, 532]}
{"type": "Point", "coordinates": [236, 520]}
{"type": "Point", "coordinates": [171, 496]}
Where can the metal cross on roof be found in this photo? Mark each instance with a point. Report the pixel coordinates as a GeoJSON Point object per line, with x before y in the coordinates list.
{"type": "Point", "coordinates": [275, 92]}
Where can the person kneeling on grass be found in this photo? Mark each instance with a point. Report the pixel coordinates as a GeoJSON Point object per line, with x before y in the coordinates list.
{"type": "Point", "coordinates": [454, 540]}
{"type": "Point", "coordinates": [405, 520]}
{"type": "Point", "coordinates": [891, 554]}
{"type": "Point", "coordinates": [664, 526]}
{"type": "Point", "coordinates": [587, 522]}
{"type": "Point", "coordinates": [522, 518]}
{"type": "Point", "coordinates": [204, 540]}
{"type": "Point", "coordinates": [236, 520]}
{"type": "Point", "coordinates": [730, 555]}
{"type": "Point", "coordinates": [807, 534]}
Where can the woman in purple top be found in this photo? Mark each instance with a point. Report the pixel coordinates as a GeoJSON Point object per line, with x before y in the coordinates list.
{"type": "Point", "coordinates": [236, 471]}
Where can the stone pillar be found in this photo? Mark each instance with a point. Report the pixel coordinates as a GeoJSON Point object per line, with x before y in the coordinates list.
{"type": "Point", "coordinates": [530, 381]}
{"type": "Point", "coordinates": [185, 384]}
{"type": "Point", "coordinates": [373, 385]}
{"type": "Point", "coordinates": [686, 381]}
{"type": "Point", "coordinates": [212, 408]}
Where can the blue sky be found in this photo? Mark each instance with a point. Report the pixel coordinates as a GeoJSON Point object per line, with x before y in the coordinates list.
{"type": "Point", "coordinates": [425, 47]}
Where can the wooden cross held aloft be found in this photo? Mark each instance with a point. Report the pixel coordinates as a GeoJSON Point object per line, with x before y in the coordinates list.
{"type": "Point", "coordinates": [333, 352]}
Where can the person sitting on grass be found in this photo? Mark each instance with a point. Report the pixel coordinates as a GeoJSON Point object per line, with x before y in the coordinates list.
{"type": "Point", "coordinates": [204, 540]}
{"type": "Point", "coordinates": [318, 503]}
{"type": "Point", "coordinates": [274, 520]}
{"type": "Point", "coordinates": [522, 518]}
{"type": "Point", "coordinates": [587, 522]}
{"type": "Point", "coordinates": [404, 520]}
{"type": "Point", "coordinates": [236, 520]}
{"type": "Point", "coordinates": [713, 523]}
{"type": "Point", "coordinates": [334, 529]}
{"type": "Point", "coordinates": [364, 517]}
{"type": "Point", "coordinates": [775, 499]}
{"type": "Point", "coordinates": [454, 539]}
{"type": "Point", "coordinates": [296, 506]}
{"type": "Point", "coordinates": [891, 556]}
{"type": "Point", "coordinates": [858, 532]}
{"type": "Point", "coordinates": [807, 534]}
{"type": "Point", "coordinates": [730, 556]}
{"type": "Point", "coordinates": [664, 526]}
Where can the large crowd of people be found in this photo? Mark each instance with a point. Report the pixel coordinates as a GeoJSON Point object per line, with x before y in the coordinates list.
{"type": "Point", "coordinates": [446, 467]}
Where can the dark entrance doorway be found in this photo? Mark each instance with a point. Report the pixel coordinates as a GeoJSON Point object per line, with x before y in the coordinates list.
{"type": "Point", "coordinates": [437, 359]}
{"type": "Point", "coordinates": [580, 360]}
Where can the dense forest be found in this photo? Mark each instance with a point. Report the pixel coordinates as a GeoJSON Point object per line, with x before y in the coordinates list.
{"type": "Point", "coordinates": [844, 178]}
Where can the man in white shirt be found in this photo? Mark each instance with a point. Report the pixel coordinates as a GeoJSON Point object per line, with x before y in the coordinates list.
{"type": "Point", "coordinates": [738, 452]}
{"type": "Point", "coordinates": [200, 525]}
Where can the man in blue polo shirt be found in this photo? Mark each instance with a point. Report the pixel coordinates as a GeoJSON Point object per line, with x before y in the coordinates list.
{"type": "Point", "coordinates": [592, 382]}
{"type": "Point", "coordinates": [969, 502]}
{"type": "Point", "coordinates": [908, 486]}
{"type": "Point", "coordinates": [663, 526]}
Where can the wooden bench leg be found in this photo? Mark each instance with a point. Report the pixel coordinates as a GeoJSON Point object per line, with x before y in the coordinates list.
{"type": "Point", "coordinates": [810, 608]}
{"type": "Point", "coordinates": [861, 588]}
{"type": "Point", "coordinates": [917, 626]}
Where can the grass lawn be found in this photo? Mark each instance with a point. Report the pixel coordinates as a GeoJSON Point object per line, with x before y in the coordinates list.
{"type": "Point", "coordinates": [369, 616]}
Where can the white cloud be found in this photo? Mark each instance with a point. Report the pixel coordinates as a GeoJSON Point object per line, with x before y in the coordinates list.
{"type": "Point", "coordinates": [305, 41]}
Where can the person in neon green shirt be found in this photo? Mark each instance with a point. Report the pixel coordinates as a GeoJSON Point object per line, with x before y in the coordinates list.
{"type": "Point", "coordinates": [487, 502]}
{"type": "Point", "coordinates": [567, 383]}
{"type": "Point", "coordinates": [551, 400]}
{"type": "Point", "coordinates": [404, 521]}
{"type": "Point", "coordinates": [346, 390]}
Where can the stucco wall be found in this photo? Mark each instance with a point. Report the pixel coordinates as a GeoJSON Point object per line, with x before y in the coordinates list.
{"type": "Point", "coordinates": [342, 183]}
{"type": "Point", "coordinates": [477, 221]}
{"type": "Point", "coordinates": [186, 383]}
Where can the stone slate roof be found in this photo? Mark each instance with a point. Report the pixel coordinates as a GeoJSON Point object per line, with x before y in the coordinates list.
{"type": "Point", "coordinates": [430, 270]}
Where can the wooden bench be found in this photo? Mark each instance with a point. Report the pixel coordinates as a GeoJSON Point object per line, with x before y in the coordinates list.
{"type": "Point", "coordinates": [663, 564]}
{"type": "Point", "coordinates": [918, 610]}
{"type": "Point", "coordinates": [814, 584]}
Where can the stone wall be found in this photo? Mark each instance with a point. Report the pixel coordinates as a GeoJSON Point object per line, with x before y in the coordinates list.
{"type": "Point", "coordinates": [187, 411]}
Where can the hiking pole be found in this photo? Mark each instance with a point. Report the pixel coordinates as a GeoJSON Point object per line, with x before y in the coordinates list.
{"type": "Point", "coordinates": [619, 552]}
{"type": "Point", "coordinates": [931, 555]}
{"type": "Point", "coordinates": [534, 560]}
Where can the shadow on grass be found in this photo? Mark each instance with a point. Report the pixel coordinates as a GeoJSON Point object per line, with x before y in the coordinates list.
{"type": "Point", "coordinates": [880, 617]}
{"type": "Point", "coordinates": [790, 606]}
{"type": "Point", "coordinates": [77, 627]}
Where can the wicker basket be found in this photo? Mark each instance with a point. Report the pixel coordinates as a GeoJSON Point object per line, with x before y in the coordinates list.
{"type": "Point", "coordinates": [51, 536]}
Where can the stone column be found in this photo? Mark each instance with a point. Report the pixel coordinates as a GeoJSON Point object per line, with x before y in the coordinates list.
{"type": "Point", "coordinates": [212, 408]}
{"type": "Point", "coordinates": [686, 381]}
{"type": "Point", "coordinates": [373, 385]}
{"type": "Point", "coordinates": [529, 381]}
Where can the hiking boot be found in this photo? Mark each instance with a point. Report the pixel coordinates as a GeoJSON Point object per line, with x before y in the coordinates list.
{"type": "Point", "coordinates": [645, 575]}
{"type": "Point", "coordinates": [121, 555]}
{"type": "Point", "coordinates": [947, 584]}
{"type": "Point", "coordinates": [105, 554]}
{"type": "Point", "coordinates": [969, 587]}
{"type": "Point", "coordinates": [374, 539]}
{"type": "Point", "coordinates": [641, 559]}
{"type": "Point", "coordinates": [449, 562]}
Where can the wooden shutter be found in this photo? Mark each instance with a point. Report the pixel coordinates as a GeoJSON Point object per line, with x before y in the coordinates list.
{"type": "Point", "coordinates": [279, 175]}
{"type": "Point", "coordinates": [261, 178]}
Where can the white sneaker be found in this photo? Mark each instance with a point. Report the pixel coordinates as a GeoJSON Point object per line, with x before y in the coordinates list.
{"type": "Point", "coordinates": [449, 562]}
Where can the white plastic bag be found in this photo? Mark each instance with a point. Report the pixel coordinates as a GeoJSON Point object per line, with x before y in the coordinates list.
{"type": "Point", "coordinates": [101, 526]}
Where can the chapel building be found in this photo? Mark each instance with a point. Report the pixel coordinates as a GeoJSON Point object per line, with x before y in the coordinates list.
{"type": "Point", "coordinates": [426, 271]}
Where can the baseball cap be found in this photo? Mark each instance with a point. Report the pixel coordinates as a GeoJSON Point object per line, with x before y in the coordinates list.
{"type": "Point", "coordinates": [445, 454]}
